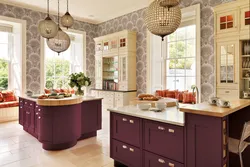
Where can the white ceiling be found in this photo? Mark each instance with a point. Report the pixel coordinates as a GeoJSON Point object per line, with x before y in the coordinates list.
{"type": "Point", "coordinates": [94, 11]}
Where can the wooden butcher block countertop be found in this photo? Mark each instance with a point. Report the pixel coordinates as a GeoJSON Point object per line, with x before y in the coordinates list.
{"type": "Point", "coordinates": [210, 110]}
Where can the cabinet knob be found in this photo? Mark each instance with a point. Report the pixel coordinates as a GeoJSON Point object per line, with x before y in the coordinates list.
{"type": "Point", "coordinates": [131, 149]}
{"type": "Point", "coordinates": [125, 147]}
{"type": "Point", "coordinates": [21, 107]}
{"type": "Point", "coordinates": [170, 164]}
{"type": "Point", "coordinates": [36, 106]}
{"type": "Point", "coordinates": [171, 130]}
{"type": "Point", "coordinates": [161, 128]}
{"type": "Point", "coordinates": [27, 113]}
{"type": "Point", "coordinates": [37, 113]}
{"type": "Point", "coordinates": [161, 161]}
{"type": "Point", "coordinates": [39, 117]}
{"type": "Point", "coordinates": [124, 119]}
{"type": "Point", "coordinates": [131, 121]}
{"type": "Point", "coordinates": [39, 109]}
{"type": "Point", "coordinates": [30, 104]}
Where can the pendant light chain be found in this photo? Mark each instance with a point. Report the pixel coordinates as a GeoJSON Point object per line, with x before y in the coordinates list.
{"type": "Point", "coordinates": [67, 5]}
{"type": "Point", "coordinates": [48, 7]}
{"type": "Point", "coordinates": [58, 14]}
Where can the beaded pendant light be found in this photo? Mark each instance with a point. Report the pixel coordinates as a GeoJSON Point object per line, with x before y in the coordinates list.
{"type": "Point", "coordinates": [67, 20]}
{"type": "Point", "coordinates": [163, 17]}
{"type": "Point", "coordinates": [47, 27]}
{"type": "Point", "coordinates": [61, 41]}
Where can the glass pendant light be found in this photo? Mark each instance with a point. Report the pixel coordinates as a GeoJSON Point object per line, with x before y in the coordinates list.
{"type": "Point", "coordinates": [61, 41]}
{"type": "Point", "coordinates": [47, 27]}
{"type": "Point", "coordinates": [67, 20]}
{"type": "Point", "coordinates": [163, 17]}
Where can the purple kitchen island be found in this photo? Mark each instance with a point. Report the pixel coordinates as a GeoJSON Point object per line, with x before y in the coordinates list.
{"type": "Point", "coordinates": [193, 136]}
{"type": "Point", "coordinates": [59, 123]}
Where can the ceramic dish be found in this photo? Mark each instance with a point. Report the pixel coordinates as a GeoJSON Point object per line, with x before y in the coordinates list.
{"type": "Point", "coordinates": [144, 106]}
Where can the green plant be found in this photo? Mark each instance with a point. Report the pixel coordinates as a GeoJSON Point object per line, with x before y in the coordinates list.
{"type": "Point", "coordinates": [79, 80]}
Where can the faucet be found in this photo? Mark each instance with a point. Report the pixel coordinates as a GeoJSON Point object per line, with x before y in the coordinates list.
{"type": "Point", "coordinates": [194, 87]}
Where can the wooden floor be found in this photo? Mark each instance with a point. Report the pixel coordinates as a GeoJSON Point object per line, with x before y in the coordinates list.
{"type": "Point", "coordinates": [19, 149]}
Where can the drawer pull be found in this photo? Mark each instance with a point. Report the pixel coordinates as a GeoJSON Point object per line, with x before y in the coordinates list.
{"type": "Point", "coordinates": [161, 161]}
{"type": "Point", "coordinates": [27, 113]}
{"type": "Point", "coordinates": [125, 147]}
{"type": "Point", "coordinates": [39, 117]}
{"type": "Point", "coordinates": [131, 121]}
{"type": "Point", "coordinates": [30, 104]}
{"type": "Point", "coordinates": [39, 109]}
{"type": "Point", "coordinates": [227, 91]}
{"type": "Point", "coordinates": [25, 102]}
{"type": "Point", "coordinates": [37, 113]}
{"type": "Point", "coordinates": [124, 119]}
{"type": "Point", "coordinates": [131, 149]}
{"type": "Point", "coordinates": [36, 106]}
{"type": "Point", "coordinates": [21, 107]}
{"type": "Point", "coordinates": [170, 164]}
{"type": "Point", "coordinates": [161, 128]}
{"type": "Point", "coordinates": [171, 130]}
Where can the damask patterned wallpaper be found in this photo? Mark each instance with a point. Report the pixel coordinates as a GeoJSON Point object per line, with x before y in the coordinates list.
{"type": "Point", "coordinates": [33, 42]}
{"type": "Point", "coordinates": [132, 21]}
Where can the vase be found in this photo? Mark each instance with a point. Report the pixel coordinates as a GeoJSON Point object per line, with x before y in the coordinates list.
{"type": "Point", "coordinates": [79, 91]}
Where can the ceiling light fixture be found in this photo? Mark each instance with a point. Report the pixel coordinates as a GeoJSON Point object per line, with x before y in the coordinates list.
{"type": "Point", "coordinates": [163, 17]}
{"type": "Point", "coordinates": [61, 41]}
{"type": "Point", "coordinates": [67, 20]}
{"type": "Point", "coordinates": [47, 27]}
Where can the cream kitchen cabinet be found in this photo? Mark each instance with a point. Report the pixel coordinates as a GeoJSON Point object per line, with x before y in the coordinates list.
{"type": "Point", "coordinates": [245, 18]}
{"type": "Point", "coordinates": [98, 72]}
{"type": "Point", "coordinates": [127, 74]}
{"type": "Point", "coordinates": [113, 99]}
{"type": "Point", "coordinates": [228, 65]}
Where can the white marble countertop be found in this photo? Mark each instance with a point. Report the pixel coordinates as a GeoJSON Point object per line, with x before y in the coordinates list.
{"type": "Point", "coordinates": [170, 115]}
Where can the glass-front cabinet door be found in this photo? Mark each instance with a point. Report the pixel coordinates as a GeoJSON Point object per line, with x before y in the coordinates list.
{"type": "Point", "coordinates": [227, 22]}
{"type": "Point", "coordinates": [245, 18]}
{"type": "Point", "coordinates": [98, 72]}
{"type": "Point", "coordinates": [123, 68]}
{"type": "Point", "coordinates": [227, 60]}
{"type": "Point", "coordinates": [98, 47]}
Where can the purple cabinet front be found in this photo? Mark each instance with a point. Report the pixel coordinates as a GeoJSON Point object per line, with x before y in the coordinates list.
{"type": "Point", "coordinates": [126, 154]}
{"type": "Point", "coordinates": [153, 160]}
{"type": "Point", "coordinates": [127, 129]}
{"type": "Point", "coordinates": [91, 114]}
{"type": "Point", "coordinates": [46, 127]}
{"type": "Point", "coordinates": [21, 110]}
{"type": "Point", "coordinates": [164, 139]}
{"type": "Point", "coordinates": [37, 120]}
{"type": "Point", "coordinates": [26, 118]}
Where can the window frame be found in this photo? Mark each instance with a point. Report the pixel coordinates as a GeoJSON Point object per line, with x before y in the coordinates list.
{"type": "Point", "coordinates": [42, 66]}
{"type": "Point", "coordinates": [155, 47]}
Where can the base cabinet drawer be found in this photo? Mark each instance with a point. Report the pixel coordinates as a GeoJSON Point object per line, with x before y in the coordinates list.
{"type": "Point", "coordinates": [164, 139]}
{"type": "Point", "coordinates": [152, 160]}
{"type": "Point", "coordinates": [126, 154]}
{"type": "Point", "coordinates": [127, 129]}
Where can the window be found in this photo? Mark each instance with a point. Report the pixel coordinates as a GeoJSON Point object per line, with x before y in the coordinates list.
{"type": "Point", "coordinates": [59, 67]}
{"type": "Point", "coordinates": [181, 59]}
{"type": "Point", "coordinates": [175, 63]}
{"type": "Point", "coordinates": [6, 60]}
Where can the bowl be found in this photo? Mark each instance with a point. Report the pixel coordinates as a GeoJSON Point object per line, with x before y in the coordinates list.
{"type": "Point", "coordinates": [160, 105]}
{"type": "Point", "coordinates": [144, 106]}
{"type": "Point", "coordinates": [29, 93]}
{"type": "Point", "coordinates": [213, 100]}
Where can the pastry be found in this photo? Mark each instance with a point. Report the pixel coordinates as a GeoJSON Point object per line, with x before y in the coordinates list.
{"type": "Point", "coordinates": [141, 96]}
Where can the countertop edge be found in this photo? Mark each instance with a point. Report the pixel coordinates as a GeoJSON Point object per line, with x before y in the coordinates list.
{"type": "Point", "coordinates": [148, 118]}
{"type": "Point", "coordinates": [213, 114]}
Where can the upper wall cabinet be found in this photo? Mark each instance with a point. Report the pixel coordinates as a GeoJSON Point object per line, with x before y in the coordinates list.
{"type": "Point", "coordinates": [245, 18]}
{"type": "Point", "coordinates": [232, 18]}
{"type": "Point", "coordinates": [227, 21]}
{"type": "Point", "coordinates": [113, 44]}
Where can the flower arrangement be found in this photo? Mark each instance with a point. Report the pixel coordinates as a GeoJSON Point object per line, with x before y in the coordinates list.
{"type": "Point", "coordinates": [79, 80]}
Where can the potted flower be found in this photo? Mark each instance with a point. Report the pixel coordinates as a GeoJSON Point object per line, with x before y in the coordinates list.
{"type": "Point", "coordinates": [79, 80]}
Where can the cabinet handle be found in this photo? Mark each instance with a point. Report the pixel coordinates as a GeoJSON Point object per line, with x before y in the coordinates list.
{"type": "Point", "coordinates": [161, 161]}
{"type": "Point", "coordinates": [125, 147]}
{"type": "Point", "coordinates": [131, 121]}
{"type": "Point", "coordinates": [161, 128]}
{"type": "Point", "coordinates": [170, 164]}
{"type": "Point", "coordinates": [27, 113]}
{"type": "Point", "coordinates": [39, 117]}
{"type": "Point", "coordinates": [37, 113]}
{"type": "Point", "coordinates": [25, 102]}
{"type": "Point", "coordinates": [36, 106]}
{"type": "Point", "coordinates": [131, 149]}
{"type": "Point", "coordinates": [39, 109]}
{"type": "Point", "coordinates": [21, 107]}
{"type": "Point", "coordinates": [227, 91]}
{"type": "Point", "coordinates": [30, 104]}
{"type": "Point", "coordinates": [171, 130]}
{"type": "Point", "coordinates": [124, 119]}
